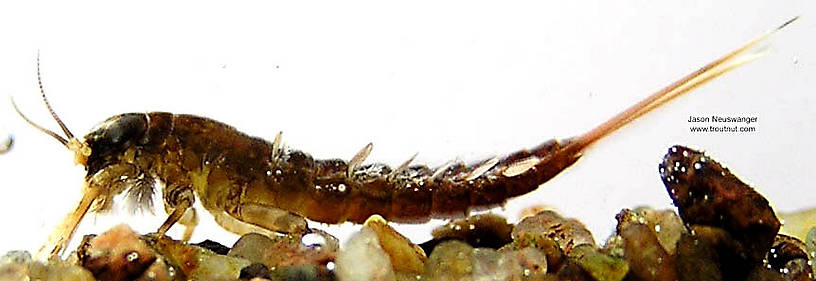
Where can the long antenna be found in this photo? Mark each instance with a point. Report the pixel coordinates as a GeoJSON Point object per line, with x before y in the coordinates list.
{"type": "Point", "coordinates": [44, 130]}
{"type": "Point", "coordinates": [53, 114]}
{"type": "Point", "coordinates": [80, 149]}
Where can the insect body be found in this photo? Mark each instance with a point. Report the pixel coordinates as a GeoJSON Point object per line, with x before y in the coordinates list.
{"type": "Point", "coordinates": [250, 184]}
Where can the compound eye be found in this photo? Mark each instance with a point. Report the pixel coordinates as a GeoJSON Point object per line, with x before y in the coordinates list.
{"type": "Point", "coordinates": [119, 129]}
{"type": "Point", "coordinates": [126, 128]}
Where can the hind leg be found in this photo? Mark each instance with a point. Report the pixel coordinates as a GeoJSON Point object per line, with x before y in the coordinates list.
{"type": "Point", "coordinates": [269, 218]}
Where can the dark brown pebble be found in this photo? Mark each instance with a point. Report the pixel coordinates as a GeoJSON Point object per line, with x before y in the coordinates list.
{"type": "Point", "coordinates": [216, 247]}
{"type": "Point", "coordinates": [706, 193]}
{"type": "Point", "coordinates": [789, 257]}
{"type": "Point", "coordinates": [479, 231]}
{"type": "Point", "coordinates": [785, 249]}
{"type": "Point", "coordinates": [254, 270]}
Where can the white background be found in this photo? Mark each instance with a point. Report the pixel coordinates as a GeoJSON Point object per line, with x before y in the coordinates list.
{"type": "Point", "coordinates": [445, 79]}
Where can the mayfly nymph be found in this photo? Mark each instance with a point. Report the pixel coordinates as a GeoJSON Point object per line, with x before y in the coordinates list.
{"type": "Point", "coordinates": [250, 184]}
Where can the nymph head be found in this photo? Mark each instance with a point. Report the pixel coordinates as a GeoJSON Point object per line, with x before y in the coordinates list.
{"type": "Point", "coordinates": [105, 144]}
{"type": "Point", "coordinates": [109, 140]}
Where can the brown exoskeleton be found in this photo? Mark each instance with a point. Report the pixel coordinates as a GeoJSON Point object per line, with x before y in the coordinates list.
{"type": "Point", "coordinates": [250, 184]}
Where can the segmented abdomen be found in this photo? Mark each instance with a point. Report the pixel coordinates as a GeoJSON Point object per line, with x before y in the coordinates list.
{"type": "Point", "coordinates": [417, 193]}
{"type": "Point", "coordinates": [328, 191]}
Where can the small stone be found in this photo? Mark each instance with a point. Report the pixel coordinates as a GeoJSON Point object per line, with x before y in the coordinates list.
{"type": "Point", "coordinates": [697, 258]}
{"type": "Point", "coordinates": [251, 247]}
{"type": "Point", "coordinates": [666, 224]}
{"type": "Point", "coordinates": [489, 264]}
{"type": "Point", "coordinates": [555, 257]}
{"type": "Point", "coordinates": [797, 269]}
{"type": "Point", "coordinates": [13, 271]}
{"type": "Point", "coordinates": [196, 263]}
{"type": "Point", "coordinates": [712, 196]}
{"type": "Point", "coordinates": [572, 271]}
{"type": "Point", "coordinates": [451, 260]}
{"type": "Point", "coordinates": [614, 247]}
{"type": "Point", "coordinates": [483, 230]}
{"type": "Point", "coordinates": [534, 210]}
{"type": "Point", "coordinates": [599, 266]}
{"type": "Point", "coordinates": [118, 254]}
{"type": "Point", "coordinates": [405, 256]}
{"type": "Point", "coordinates": [785, 249]}
{"type": "Point", "coordinates": [789, 256]}
{"type": "Point", "coordinates": [568, 233]}
{"type": "Point", "coordinates": [14, 264]}
{"type": "Point", "coordinates": [18, 257]}
{"type": "Point", "coordinates": [58, 270]}
{"type": "Point", "coordinates": [364, 259]}
{"type": "Point", "coordinates": [310, 272]}
{"type": "Point", "coordinates": [213, 246]}
{"type": "Point", "coordinates": [711, 253]}
{"type": "Point", "coordinates": [158, 271]}
{"type": "Point", "coordinates": [285, 250]}
{"type": "Point", "coordinates": [647, 259]}
{"type": "Point", "coordinates": [533, 262]}
{"type": "Point", "coordinates": [255, 270]}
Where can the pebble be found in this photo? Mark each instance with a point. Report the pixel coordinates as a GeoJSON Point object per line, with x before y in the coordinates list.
{"type": "Point", "coordinates": [533, 262]}
{"type": "Point", "coordinates": [13, 265]}
{"type": "Point", "coordinates": [58, 271]}
{"type": "Point", "coordinates": [666, 224]}
{"type": "Point", "coordinates": [647, 259]}
{"type": "Point", "coordinates": [196, 263]}
{"type": "Point", "coordinates": [489, 264]}
{"type": "Point", "coordinates": [482, 230]}
{"type": "Point", "coordinates": [600, 266]}
{"type": "Point", "coordinates": [406, 257]}
{"type": "Point", "coordinates": [713, 196]}
{"type": "Point", "coordinates": [364, 259]}
{"type": "Point", "coordinates": [451, 260]}
{"type": "Point", "coordinates": [117, 254]}
{"type": "Point", "coordinates": [286, 250]}
{"type": "Point", "coordinates": [697, 256]}
{"type": "Point", "coordinates": [567, 233]}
